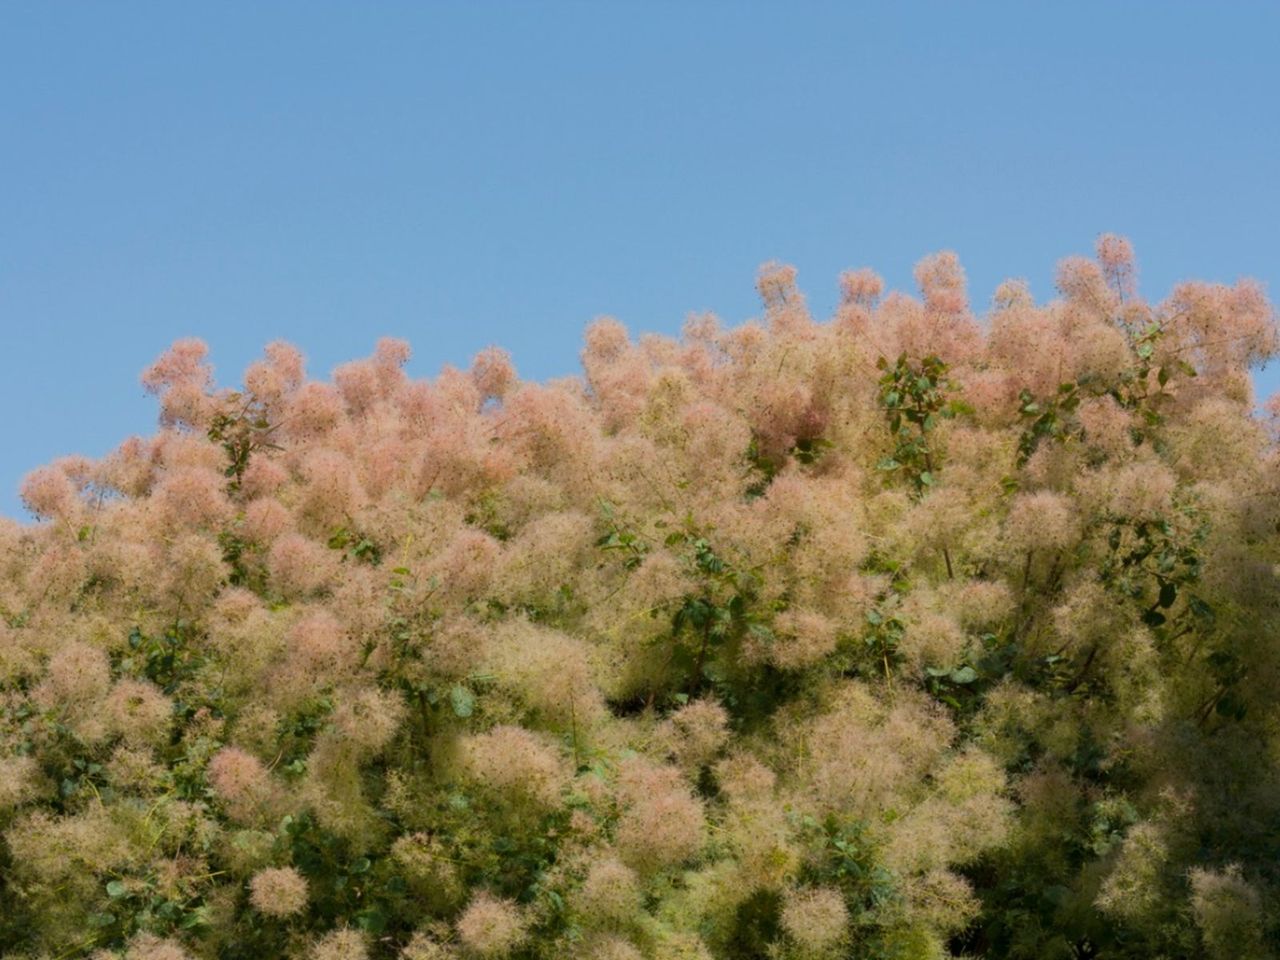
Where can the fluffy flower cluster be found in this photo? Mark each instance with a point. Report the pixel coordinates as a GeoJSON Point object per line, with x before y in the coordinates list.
{"type": "Point", "coordinates": [913, 633]}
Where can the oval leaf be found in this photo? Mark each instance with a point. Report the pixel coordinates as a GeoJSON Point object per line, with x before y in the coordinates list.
{"type": "Point", "coordinates": [462, 700]}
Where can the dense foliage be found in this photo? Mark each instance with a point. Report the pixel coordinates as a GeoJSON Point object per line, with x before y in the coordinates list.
{"type": "Point", "coordinates": [903, 635]}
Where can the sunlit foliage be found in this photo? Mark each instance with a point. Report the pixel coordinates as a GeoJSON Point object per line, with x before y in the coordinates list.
{"type": "Point", "coordinates": [908, 634]}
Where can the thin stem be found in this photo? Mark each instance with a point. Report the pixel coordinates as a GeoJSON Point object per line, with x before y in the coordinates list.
{"type": "Point", "coordinates": [702, 656]}
{"type": "Point", "coordinates": [573, 721]}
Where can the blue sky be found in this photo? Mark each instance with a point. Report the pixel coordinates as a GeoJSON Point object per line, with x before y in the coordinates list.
{"type": "Point", "coordinates": [466, 174]}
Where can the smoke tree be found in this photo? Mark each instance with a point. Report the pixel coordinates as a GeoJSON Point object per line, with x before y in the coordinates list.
{"type": "Point", "coordinates": [907, 634]}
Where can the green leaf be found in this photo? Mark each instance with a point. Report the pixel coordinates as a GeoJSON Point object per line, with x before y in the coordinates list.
{"type": "Point", "coordinates": [372, 920]}
{"type": "Point", "coordinates": [462, 700]}
{"type": "Point", "coordinates": [1230, 705]}
{"type": "Point", "coordinates": [965, 674]}
{"type": "Point", "coordinates": [1201, 609]}
{"type": "Point", "coordinates": [116, 888]}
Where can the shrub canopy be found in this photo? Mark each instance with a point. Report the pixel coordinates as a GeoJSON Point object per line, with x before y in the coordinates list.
{"type": "Point", "coordinates": [901, 635]}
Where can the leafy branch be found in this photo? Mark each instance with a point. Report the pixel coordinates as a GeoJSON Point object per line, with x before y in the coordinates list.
{"type": "Point", "coordinates": [914, 399]}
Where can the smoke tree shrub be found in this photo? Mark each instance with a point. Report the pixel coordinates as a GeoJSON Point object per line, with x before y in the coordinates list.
{"type": "Point", "coordinates": [907, 634]}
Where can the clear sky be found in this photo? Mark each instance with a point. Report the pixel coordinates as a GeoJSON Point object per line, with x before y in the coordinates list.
{"type": "Point", "coordinates": [474, 173]}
